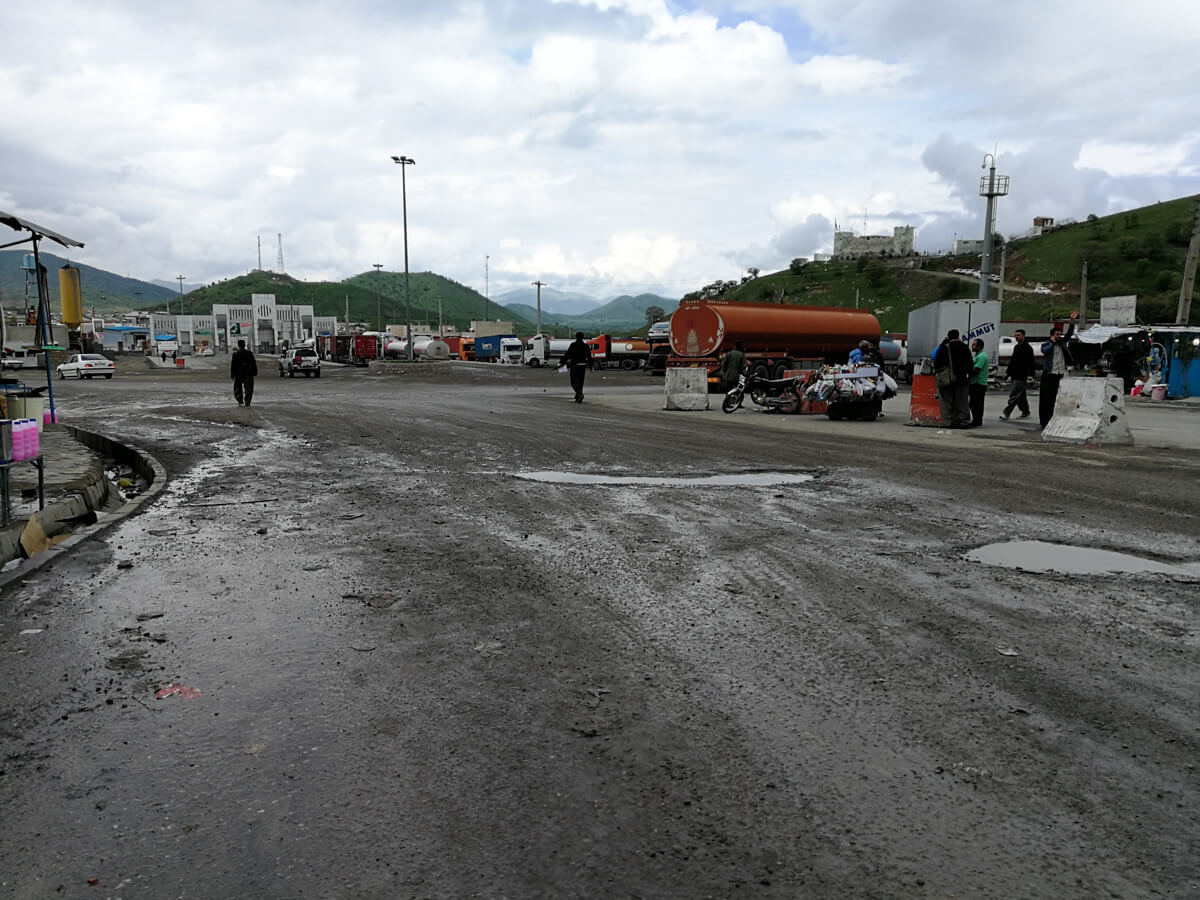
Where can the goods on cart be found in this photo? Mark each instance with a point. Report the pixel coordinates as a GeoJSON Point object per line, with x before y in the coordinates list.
{"type": "Point", "coordinates": [850, 391]}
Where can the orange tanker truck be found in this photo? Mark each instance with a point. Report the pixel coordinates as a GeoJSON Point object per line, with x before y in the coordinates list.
{"type": "Point", "coordinates": [776, 337]}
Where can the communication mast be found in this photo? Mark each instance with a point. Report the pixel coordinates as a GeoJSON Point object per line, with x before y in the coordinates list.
{"type": "Point", "coordinates": [990, 186]}
{"type": "Point", "coordinates": [260, 253]}
{"type": "Point", "coordinates": [279, 261]}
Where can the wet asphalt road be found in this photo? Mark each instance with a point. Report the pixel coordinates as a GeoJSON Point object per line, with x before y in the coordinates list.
{"type": "Point", "coordinates": [419, 676]}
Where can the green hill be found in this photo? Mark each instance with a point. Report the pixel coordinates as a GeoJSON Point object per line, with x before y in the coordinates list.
{"type": "Point", "coordinates": [1140, 251]}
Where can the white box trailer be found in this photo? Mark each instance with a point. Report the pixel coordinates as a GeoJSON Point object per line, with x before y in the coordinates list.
{"type": "Point", "coordinates": [928, 325]}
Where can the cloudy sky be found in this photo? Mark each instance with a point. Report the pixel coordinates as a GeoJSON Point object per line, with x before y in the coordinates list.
{"type": "Point", "coordinates": [604, 146]}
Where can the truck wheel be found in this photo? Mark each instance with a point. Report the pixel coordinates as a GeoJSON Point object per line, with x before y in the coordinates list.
{"type": "Point", "coordinates": [760, 370]}
{"type": "Point", "coordinates": [780, 368]}
{"type": "Point", "coordinates": [629, 364]}
{"type": "Point", "coordinates": [835, 412]}
{"type": "Point", "coordinates": [535, 362]}
{"type": "Point", "coordinates": [317, 373]}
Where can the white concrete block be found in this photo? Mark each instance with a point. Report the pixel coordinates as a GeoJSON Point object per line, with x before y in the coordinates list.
{"type": "Point", "coordinates": [1089, 411]}
{"type": "Point", "coordinates": [686, 389]}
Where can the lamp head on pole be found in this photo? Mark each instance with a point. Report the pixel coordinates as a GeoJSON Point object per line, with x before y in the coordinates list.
{"type": "Point", "coordinates": [404, 160]}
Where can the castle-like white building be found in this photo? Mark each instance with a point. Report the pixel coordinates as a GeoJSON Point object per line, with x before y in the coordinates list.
{"type": "Point", "coordinates": [848, 245]}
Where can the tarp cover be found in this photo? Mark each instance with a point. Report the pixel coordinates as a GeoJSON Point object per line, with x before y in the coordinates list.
{"type": "Point", "coordinates": [1098, 334]}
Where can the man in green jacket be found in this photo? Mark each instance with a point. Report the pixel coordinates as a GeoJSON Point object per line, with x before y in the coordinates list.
{"type": "Point", "coordinates": [978, 385]}
{"type": "Point", "coordinates": [732, 364]}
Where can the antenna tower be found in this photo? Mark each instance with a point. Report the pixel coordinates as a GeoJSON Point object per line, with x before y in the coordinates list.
{"type": "Point", "coordinates": [260, 253]}
{"type": "Point", "coordinates": [279, 261]}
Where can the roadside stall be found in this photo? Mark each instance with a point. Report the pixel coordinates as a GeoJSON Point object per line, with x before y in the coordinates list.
{"type": "Point", "coordinates": [850, 392]}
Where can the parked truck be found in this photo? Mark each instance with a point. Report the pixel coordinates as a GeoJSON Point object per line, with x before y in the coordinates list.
{"type": "Point", "coordinates": [503, 348]}
{"type": "Point", "coordinates": [927, 326]}
{"type": "Point", "coordinates": [775, 337]}
{"type": "Point", "coordinates": [628, 353]}
{"type": "Point", "coordinates": [543, 350]}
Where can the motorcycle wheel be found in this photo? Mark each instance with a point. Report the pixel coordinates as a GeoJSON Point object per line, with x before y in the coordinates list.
{"type": "Point", "coordinates": [731, 402]}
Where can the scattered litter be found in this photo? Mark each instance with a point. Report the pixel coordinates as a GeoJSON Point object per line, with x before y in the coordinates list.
{"type": "Point", "coordinates": [10, 565]}
{"type": "Point", "coordinates": [146, 617]}
{"type": "Point", "coordinates": [488, 648]}
{"type": "Point", "coordinates": [362, 649]}
{"type": "Point", "coordinates": [125, 564]}
{"type": "Point", "coordinates": [32, 631]}
{"type": "Point", "coordinates": [1008, 651]}
{"type": "Point", "coordinates": [352, 516]}
{"type": "Point", "coordinates": [1018, 711]}
{"type": "Point", "coordinates": [177, 690]}
{"type": "Point", "coordinates": [163, 532]}
{"type": "Point", "coordinates": [262, 530]}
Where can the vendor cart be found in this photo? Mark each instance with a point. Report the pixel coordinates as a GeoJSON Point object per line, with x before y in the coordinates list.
{"type": "Point", "coordinates": [851, 392]}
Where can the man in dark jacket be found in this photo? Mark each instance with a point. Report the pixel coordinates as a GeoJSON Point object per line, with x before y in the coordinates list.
{"type": "Point", "coordinates": [954, 398]}
{"type": "Point", "coordinates": [242, 369]}
{"type": "Point", "coordinates": [1020, 369]}
{"type": "Point", "coordinates": [1055, 359]}
{"type": "Point", "coordinates": [578, 359]}
{"type": "Point", "coordinates": [732, 364]}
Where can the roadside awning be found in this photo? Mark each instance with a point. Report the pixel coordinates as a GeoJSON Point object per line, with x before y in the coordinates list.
{"type": "Point", "coordinates": [164, 337]}
{"type": "Point", "coordinates": [1098, 334]}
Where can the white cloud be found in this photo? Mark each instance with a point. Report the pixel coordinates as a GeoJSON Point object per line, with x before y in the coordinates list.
{"type": "Point", "coordinates": [605, 142]}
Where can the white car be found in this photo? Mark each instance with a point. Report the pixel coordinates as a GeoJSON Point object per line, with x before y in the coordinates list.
{"type": "Point", "coordinates": [205, 351]}
{"type": "Point", "coordinates": [87, 365]}
{"type": "Point", "coordinates": [1042, 289]}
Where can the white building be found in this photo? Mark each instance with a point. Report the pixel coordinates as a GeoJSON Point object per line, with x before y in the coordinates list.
{"type": "Point", "coordinates": [967, 245]}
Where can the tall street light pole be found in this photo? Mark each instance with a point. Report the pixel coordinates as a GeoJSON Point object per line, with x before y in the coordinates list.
{"type": "Point", "coordinates": [539, 285]}
{"type": "Point", "coordinates": [178, 278]}
{"type": "Point", "coordinates": [378, 302]}
{"type": "Point", "coordinates": [403, 162]}
{"type": "Point", "coordinates": [485, 287]}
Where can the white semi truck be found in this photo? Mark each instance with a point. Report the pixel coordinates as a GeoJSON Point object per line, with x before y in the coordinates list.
{"type": "Point", "coordinates": [542, 350]}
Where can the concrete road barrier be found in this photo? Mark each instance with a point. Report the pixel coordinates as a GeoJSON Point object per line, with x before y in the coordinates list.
{"type": "Point", "coordinates": [1089, 411]}
{"type": "Point", "coordinates": [686, 389]}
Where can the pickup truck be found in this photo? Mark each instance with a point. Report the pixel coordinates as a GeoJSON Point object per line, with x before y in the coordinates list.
{"type": "Point", "coordinates": [300, 359]}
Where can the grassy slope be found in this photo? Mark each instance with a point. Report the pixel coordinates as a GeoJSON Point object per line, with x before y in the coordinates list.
{"type": "Point", "coordinates": [1138, 252]}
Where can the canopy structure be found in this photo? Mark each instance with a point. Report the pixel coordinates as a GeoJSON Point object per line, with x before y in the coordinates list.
{"type": "Point", "coordinates": [37, 233]}
{"type": "Point", "coordinates": [164, 337]}
{"type": "Point", "coordinates": [1098, 334]}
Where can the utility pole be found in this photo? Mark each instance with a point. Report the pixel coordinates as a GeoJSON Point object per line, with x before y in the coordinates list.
{"type": "Point", "coordinates": [485, 287]}
{"type": "Point", "coordinates": [178, 278]}
{"type": "Point", "coordinates": [1184, 311]}
{"type": "Point", "coordinates": [539, 285]}
{"type": "Point", "coordinates": [404, 162]}
{"type": "Point", "coordinates": [1003, 262]}
{"type": "Point", "coordinates": [378, 302]}
{"type": "Point", "coordinates": [347, 298]}
{"type": "Point", "coordinates": [1083, 295]}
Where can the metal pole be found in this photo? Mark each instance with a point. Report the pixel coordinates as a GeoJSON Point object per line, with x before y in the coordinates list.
{"type": "Point", "coordinates": [985, 265]}
{"type": "Point", "coordinates": [378, 302]}
{"type": "Point", "coordinates": [178, 278]}
{"type": "Point", "coordinates": [1083, 296]}
{"type": "Point", "coordinates": [403, 162]}
{"type": "Point", "coordinates": [486, 291]}
{"type": "Point", "coordinates": [43, 291]}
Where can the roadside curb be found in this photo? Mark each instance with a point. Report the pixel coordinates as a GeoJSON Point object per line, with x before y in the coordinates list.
{"type": "Point", "coordinates": [92, 494]}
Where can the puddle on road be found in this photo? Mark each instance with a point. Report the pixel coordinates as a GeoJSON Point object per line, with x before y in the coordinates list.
{"type": "Point", "coordinates": [1040, 556]}
{"type": "Point", "coordinates": [744, 479]}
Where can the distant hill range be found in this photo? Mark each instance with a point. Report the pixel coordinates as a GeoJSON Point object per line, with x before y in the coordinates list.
{"type": "Point", "coordinates": [103, 290]}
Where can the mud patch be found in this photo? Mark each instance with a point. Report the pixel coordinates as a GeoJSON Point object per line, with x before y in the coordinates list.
{"type": "Point", "coordinates": [743, 479]}
{"type": "Point", "coordinates": [1041, 556]}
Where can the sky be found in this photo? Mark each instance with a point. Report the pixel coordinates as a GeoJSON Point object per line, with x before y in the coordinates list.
{"type": "Point", "coordinates": [605, 147]}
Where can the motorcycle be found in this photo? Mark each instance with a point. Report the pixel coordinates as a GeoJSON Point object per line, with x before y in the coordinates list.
{"type": "Point", "coordinates": [776, 394]}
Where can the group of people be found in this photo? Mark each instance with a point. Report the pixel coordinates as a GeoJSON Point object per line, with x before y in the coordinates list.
{"type": "Point", "coordinates": [962, 376]}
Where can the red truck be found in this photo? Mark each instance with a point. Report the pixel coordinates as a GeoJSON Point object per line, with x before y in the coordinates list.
{"type": "Point", "coordinates": [776, 337]}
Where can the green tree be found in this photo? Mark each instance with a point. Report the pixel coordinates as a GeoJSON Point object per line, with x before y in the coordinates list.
{"type": "Point", "coordinates": [796, 265]}
{"type": "Point", "coordinates": [653, 314]}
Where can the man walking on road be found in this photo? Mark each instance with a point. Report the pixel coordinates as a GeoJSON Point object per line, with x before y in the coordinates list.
{"type": "Point", "coordinates": [578, 359]}
{"type": "Point", "coordinates": [242, 369]}
{"type": "Point", "coordinates": [1055, 359]}
{"type": "Point", "coordinates": [1020, 368]}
